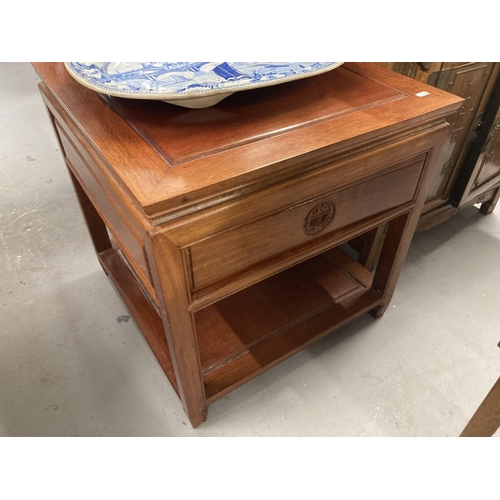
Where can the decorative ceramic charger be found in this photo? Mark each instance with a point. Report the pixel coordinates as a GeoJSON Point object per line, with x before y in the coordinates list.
{"type": "Point", "coordinates": [189, 84]}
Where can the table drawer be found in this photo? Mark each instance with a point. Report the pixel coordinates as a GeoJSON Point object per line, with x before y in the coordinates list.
{"type": "Point", "coordinates": [232, 251]}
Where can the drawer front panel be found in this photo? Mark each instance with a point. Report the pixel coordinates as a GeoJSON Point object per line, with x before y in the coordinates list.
{"type": "Point", "coordinates": [220, 256]}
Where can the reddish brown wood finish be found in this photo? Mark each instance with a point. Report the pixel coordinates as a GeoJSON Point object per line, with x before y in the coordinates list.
{"type": "Point", "coordinates": [229, 252]}
{"type": "Point", "coordinates": [240, 122]}
{"type": "Point", "coordinates": [142, 311]}
{"type": "Point", "coordinates": [224, 221]}
{"type": "Point", "coordinates": [486, 420]}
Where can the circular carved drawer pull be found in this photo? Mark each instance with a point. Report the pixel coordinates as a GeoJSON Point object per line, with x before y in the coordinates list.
{"type": "Point", "coordinates": [319, 217]}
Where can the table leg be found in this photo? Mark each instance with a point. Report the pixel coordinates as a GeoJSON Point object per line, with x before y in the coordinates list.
{"type": "Point", "coordinates": [394, 250]}
{"type": "Point", "coordinates": [371, 246]}
{"type": "Point", "coordinates": [489, 206]}
{"type": "Point", "coordinates": [173, 291]}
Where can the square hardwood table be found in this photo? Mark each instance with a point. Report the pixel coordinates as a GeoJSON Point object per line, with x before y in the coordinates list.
{"type": "Point", "coordinates": [221, 227]}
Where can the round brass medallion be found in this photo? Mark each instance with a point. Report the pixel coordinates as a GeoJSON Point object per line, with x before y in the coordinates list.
{"type": "Point", "coordinates": [319, 217]}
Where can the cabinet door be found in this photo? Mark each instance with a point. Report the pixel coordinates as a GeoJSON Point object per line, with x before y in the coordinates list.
{"type": "Point", "coordinates": [479, 176]}
{"type": "Point", "coordinates": [489, 160]}
{"type": "Point", "coordinates": [469, 81]}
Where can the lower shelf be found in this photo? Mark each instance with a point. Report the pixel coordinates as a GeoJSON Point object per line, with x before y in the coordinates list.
{"type": "Point", "coordinates": [140, 308]}
{"type": "Point", "coordinates": [247, 333]}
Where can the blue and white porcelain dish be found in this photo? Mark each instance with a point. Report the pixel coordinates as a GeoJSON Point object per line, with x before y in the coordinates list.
{"type": "Point", "coordinates": [188, 84]}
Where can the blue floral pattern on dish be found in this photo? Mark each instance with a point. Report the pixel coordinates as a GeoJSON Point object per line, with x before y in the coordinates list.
{"type": "Point", "coordinates": [162, 80]}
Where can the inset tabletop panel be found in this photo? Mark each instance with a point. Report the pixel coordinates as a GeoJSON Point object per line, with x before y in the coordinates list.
{"type": "Point", "coordinates": [180, 135]}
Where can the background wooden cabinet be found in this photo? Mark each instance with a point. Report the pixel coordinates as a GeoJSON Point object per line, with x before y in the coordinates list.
{"type": "Point", "coordinates": [469, 170]}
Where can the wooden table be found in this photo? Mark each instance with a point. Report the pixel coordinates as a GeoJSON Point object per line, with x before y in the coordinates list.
{"type": "Point", "coordinates": [220, 227]}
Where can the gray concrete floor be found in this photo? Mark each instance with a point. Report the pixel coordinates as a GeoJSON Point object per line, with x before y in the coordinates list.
{"type": "Point", "coordinates": [72, 364]}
